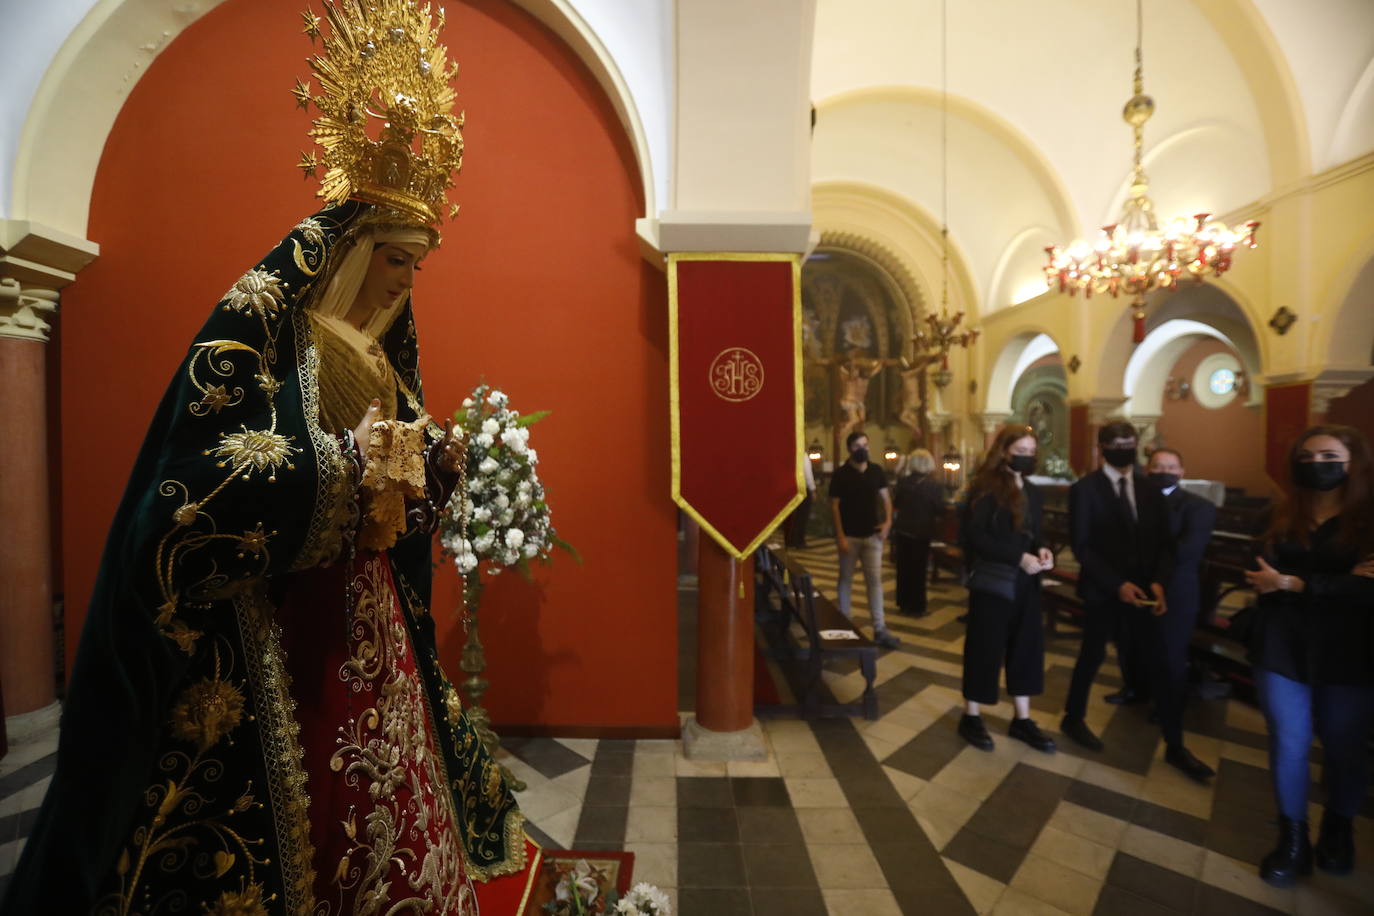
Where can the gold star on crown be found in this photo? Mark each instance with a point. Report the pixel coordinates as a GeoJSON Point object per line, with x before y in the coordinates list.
{"type": "Point", "coordinates": [382, 63]}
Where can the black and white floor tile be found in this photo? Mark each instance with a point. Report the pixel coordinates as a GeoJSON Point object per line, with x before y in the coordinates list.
{"type": "Point", "coordinates": [899, 816]}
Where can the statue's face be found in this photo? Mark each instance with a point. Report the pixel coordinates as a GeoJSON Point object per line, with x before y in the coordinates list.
{"type": "Point", "coordinates": [390, 274]}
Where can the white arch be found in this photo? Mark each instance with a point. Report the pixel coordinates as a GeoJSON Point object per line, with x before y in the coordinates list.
{"type": "Point", "coordinates": [1008, 366]}
{"type": "Point", "coordinates": [84, 88]}
{"type": "Point", "coordinates": [1038, 346]}
{"type": "Point", "coordinates": [1147, 371]}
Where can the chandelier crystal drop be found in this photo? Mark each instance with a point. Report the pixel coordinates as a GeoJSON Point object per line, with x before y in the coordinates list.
{"type": "Point", "coordinates": [1136, 254]}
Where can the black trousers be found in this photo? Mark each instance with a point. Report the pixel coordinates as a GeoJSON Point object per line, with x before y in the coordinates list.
{"type": "Point", "coordinates": [1104, 620]}
{"type": "Point", "coordinates": [1009, 632]}
{"type": "Point", "coordinates": [796, 523]}
{"type": "Point", "coordinates": [911, 557]}
{"type": "Point", "coordinates": [1169, 636]}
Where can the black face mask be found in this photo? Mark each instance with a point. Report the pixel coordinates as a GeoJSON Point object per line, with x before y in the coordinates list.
{"type": "Point", "coordinates": [1162, 480]}
{"type": "Point", "coordinates": [1022, 464]}
{"type": "Point", "coordinates": [1119, 457]}
{"type": "Point", "coordinates": [1319, 475]}
{"type": "Point", "coordinates": [860, 455]}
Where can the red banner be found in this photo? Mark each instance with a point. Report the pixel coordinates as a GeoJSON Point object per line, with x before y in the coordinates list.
{"type": "Point", "coordinates": [736, 392]}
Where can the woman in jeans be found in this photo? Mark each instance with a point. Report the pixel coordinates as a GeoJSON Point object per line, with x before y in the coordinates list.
{"type": "Point", "coordinates": [918, 503]}
{"type": "Point", "coordinates": [1000, 531]}
{"type": "Point", "coordinates": [1313, 645]}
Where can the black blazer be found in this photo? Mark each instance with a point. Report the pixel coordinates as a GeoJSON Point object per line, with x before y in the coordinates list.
{"type": "Point", "coordinates": [1109, 548]}
{"type": "Point", "coordinates": [918, 503]}
{"type": "Point", "coordinates": [1191, 520]}
{"type": "Point", "coordinates": [986, 531]}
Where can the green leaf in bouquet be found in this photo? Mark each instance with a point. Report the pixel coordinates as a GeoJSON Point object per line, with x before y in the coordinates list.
{"type": "Point", "coordinates": [532, 418]}
{"type": "Point", "coordinates": [568, 548]}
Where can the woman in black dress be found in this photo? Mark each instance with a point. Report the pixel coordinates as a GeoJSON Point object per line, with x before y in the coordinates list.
{"type": "Point", "coordinates": [1000, 535]}
{"type": "Point", "coordinates": [918, 503]}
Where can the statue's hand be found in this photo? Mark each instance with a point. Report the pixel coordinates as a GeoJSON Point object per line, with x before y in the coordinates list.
{"type": "Point", "coordinates": [363, 433]}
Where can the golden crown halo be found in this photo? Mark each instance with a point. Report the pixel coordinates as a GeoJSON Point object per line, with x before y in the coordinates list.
{"type": "Point", "coordinates": [382, 64]}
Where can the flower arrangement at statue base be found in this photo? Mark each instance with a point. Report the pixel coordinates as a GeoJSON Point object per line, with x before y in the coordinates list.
{"type": "Point", "coordinates": [498, 518]}
{"type": "Point", "coordinates": [583, 890]}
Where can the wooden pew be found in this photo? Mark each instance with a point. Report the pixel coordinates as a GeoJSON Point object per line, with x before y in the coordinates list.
{"type": "Point", "coordinates": [800, 601]}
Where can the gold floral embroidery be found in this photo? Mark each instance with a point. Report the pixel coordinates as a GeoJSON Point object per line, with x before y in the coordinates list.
{"type": "Point", "coordinates": [386, 748]}
{"type": "Point", "coordinates": [260, 449]}
{"type": "Point", "coordinates": [207, 711]}
{"type": "Point", "coordinates": [453, 704]}
{"type": "Point", "coordinates": [188, 828]}
{"type": "Point", "coordinates": [258, 292]}
{"type": "Point", "coordinates": [247, 901]}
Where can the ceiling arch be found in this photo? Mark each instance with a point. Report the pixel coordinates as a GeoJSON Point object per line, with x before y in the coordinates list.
{"type": "Point", "coordinates": [902, 227]}
{"type": "Point", "coordinates": [886, 261]}
{"type": "Point", "coordinates": [102, 58]}
{"type": "Point", "coordinates": [888, 137]}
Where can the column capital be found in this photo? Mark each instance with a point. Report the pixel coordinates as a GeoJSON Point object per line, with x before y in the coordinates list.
{"type": "Point", "coordinates": [23, 312]}
{"type": "Point", "coordinates": [992, 420]}
{"type": "Point", "coordinates": [1100, 410]}
{"type": "Point", "coordinates": [41, 256]}
{"type": "Point", "coordinates": [1335, 383]}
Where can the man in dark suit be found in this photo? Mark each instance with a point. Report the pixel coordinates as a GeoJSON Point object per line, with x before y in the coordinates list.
{"type": "Point", "coordinates": [1120, 532]}
{"type": "Point", "coordinates": [1191, 520]}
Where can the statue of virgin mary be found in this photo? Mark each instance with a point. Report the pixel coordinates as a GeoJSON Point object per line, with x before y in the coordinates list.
{"type": "Point", "coordinates": [257, 720]}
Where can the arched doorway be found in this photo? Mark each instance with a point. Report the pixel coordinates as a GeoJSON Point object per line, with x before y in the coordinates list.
{"type": "Point", "coordinates": [1039, 399]}
{"type": "Point", "coordinates": [858, 318]}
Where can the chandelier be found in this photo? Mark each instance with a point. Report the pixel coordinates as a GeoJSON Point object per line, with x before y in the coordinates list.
{"type": "Point", "coordinates": [943, 331]}
{"type": "Point", "coordinates": [1135, 254]}
{"type": "Point", "coordinates": [942, 334]}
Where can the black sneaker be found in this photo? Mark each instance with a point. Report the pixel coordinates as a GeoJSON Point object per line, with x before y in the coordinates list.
{"type": "Point", "coordinates": [1026, 730]}
{"type": "Point", "coordinates": [886, 639]}
{"type": "Point", "coordinates": [972, 730]}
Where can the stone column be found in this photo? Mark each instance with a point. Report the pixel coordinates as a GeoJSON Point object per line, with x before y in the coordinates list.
{"type": "Point", "coordinates": [1146, 428]}
{"type": "Point", "coordinates": [35, 262]}
{"type": "Point", "coordinates": [724, 727]}
{"type": "Point", "coordinates": [26, 618]}
{"type": "Point", "coordinates": [991, 421]}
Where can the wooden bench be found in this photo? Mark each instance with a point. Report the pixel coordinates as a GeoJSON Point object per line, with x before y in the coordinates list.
{"type": "Point", "coordinates": [800, 601]}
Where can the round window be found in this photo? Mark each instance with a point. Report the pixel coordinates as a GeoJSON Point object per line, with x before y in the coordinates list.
{"type": "Point", "coordinates": [1223, 381]}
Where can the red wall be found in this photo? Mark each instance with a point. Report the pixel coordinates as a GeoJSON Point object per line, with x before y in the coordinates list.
{"type": "Point", "coordinates": [539, 287]}
{"type": "Point", "coordinates": [1225, 444]}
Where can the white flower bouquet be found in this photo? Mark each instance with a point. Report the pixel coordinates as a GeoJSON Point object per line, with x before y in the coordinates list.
{"type": "Point", "coordinates": [644, 900]}
{"type": "Point", "coordinates": [498, 514]}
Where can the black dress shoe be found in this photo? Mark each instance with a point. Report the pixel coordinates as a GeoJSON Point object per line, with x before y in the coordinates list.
{"type": "Point", "coordinates": [1291, 857]}
{"type": "Point", "coordinates": [1077, 730]}
{"type": "Point", "coordinates": [972, 730]}
{"type": "Point", "coordinates": [1027, 731]}
{"type": "Point", "coordinates": [1126, 697]}
{"type": "Point", "coordinates": [1335, 850]}
{"type": "Point", "coordinates": [1182, 758]}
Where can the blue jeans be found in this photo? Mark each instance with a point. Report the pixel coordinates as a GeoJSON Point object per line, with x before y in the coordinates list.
{"type": "Point", "coordinates": [1341, 717]}
{"type": "Point", "coordinates": [869, 551]}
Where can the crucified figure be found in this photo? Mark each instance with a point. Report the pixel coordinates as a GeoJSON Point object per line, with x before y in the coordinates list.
{"type": "Point", "coordinates": [915, 413]}
{"type": "Point", "coordinates": [852, 374]}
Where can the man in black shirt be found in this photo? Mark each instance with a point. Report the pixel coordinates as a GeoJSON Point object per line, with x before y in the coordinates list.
{"type": "Point", "coordinates": [857, 490]}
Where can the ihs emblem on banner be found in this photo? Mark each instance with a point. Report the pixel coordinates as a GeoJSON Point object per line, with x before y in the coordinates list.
{"type": "Point", "coordinates": [736, 374]}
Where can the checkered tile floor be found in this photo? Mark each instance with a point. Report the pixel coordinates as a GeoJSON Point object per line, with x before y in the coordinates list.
{"type": "Point", "coordinates": [899, 816]}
